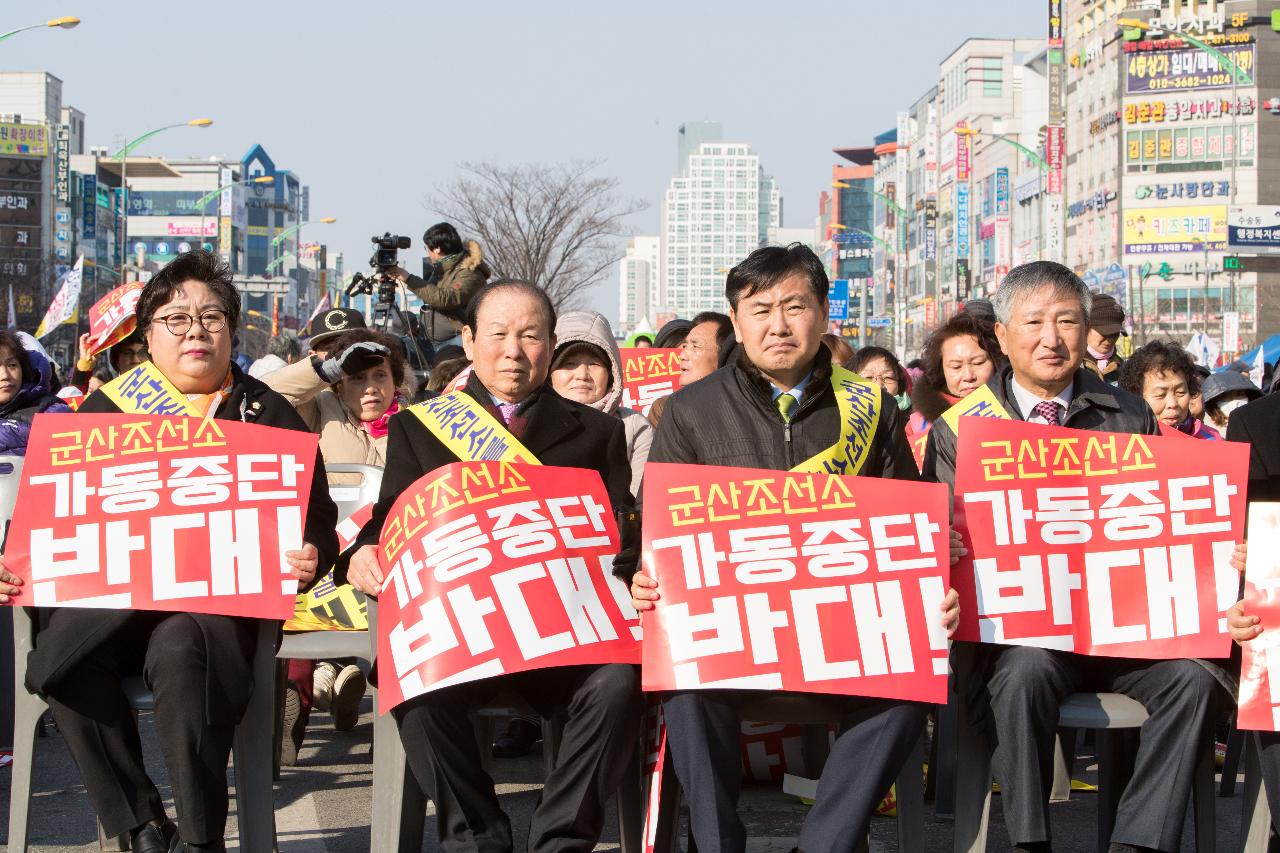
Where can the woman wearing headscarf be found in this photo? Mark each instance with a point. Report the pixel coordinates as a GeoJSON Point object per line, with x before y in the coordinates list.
{"type": "Point", "coordinates": [26, 375]}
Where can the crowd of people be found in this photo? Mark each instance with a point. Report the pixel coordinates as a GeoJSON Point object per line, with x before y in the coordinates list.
{"type": "Point", "coordinates": [758, 388]}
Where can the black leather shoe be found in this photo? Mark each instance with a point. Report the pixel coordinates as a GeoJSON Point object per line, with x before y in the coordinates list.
{"type": "Point", "coordinates": [154, 838]}
{"type": "Point", "coordinates": [215, 847]}
{"type": "Point", "coordinates": [516, 739]}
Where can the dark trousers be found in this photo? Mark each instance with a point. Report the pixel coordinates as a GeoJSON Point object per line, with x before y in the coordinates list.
{"type": "Point", "coordinates": [1268, 745]}
{"type": "Point", "coordinates": [94, 716]}
{"type": "Point", "coordinates": [704, 733]}
{"type": "Point", "coordinates": [601, 709]}
{"type": "Point", "coordinates": [1027, 687]}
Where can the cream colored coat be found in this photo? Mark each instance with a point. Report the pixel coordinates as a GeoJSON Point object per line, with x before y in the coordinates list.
{"type": "Point", "coordinates": [342, 438]}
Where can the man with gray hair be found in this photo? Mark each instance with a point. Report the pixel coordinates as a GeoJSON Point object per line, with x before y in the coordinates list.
{"type": "Point", "coordinates": [282, 350]}
{"type": "Point", "coordinates": [1013, 693]}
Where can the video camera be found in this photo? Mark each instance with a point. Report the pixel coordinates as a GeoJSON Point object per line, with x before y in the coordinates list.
{"type": "Point", "coordinates": [386, 253]}
{"type": "Point", "coordinates": [386, 256]}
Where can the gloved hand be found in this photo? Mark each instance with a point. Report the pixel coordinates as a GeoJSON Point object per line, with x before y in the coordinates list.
{"type": "Point", "coordinates": [352, 360]}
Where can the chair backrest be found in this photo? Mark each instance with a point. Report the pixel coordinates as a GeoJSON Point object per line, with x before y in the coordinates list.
{"type": "Point", "coordinates": [351, 496]}
{"type": "Point", "coordinates": [10, 477]}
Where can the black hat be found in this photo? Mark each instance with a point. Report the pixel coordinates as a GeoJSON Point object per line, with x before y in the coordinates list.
{"type": "Point", "coordinates": [1106, 317]}
{"type": "Point", "coordinates": [1226, 381]}
{"type": "Point", "coordinates": [334, 322]}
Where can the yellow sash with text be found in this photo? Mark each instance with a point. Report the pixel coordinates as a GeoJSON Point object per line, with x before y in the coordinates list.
{"type": "Point", "coordinates": [144, 390]}
{"type": "Point", "coordinates": [982, 403]}
{"type": "Point", "coordinates": [859, 402]}
{"type": "Point", "coordinates": [467, 429]}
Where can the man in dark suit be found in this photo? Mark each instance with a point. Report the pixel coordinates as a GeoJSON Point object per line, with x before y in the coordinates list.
{"type": "Point", "coordinates": [510, 339]}
{"type": "Point", "coordinates": [1042, 311]}
{"type": "Point", "coordinates": [773, 407]}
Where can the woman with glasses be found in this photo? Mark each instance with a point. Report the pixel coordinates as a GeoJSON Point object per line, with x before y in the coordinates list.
{"type": "Point", "coordinates": [197, 666]}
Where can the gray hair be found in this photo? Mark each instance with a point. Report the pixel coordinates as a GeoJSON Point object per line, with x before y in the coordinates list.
{"type": "Point", "coordinates": [1023, 280]}
{"type": "Point", "coordinates": [285, 346]}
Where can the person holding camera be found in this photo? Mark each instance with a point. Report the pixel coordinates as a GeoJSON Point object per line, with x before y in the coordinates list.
{"type": "Point", "coordinates": [454, 271]}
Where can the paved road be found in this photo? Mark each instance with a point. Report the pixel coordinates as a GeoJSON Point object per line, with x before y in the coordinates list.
{"type": "Point", "coordinates": [323, 805]}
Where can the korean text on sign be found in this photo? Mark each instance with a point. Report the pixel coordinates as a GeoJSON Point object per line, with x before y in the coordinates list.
{"type": "Point", "coordinates": [156, 513]}
{"type": "Point", "coordinates": [648, 374]}
{"type": "Point", "coordinates": [1098, 543]}
{"type": "Point", "coordinates": [110, 316]}
{"type": "Point", "coordinates": [1259, 700]}
{"type": "Point", "coordinates": [775, 580]}
{"type": "Point", "coordinates": [493, 568]}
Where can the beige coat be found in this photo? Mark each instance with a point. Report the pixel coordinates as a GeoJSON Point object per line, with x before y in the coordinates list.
{"type": "Point", "coordinates": [342, 438]}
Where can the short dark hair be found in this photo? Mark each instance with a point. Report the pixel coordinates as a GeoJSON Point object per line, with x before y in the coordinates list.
{"type": "Point", "coordinates": [444, 237]}
{"type": "Point", "coordinates": [866, 355]}
{"type": "Point", "coordinates": [518, 285]}
{"type": "Point", "coordinates": [397, 362]}
{"type": "Point", "coordinates": [13, 343]}
{"type": "Point", "coordinates": [976, 326]}
{"type": "Point", "coordinates": [767, 266]}
{"type": "Point", "coordinates": [724, 326]}
{"type": "Point", "coordinates": [1158, 357]}
{"type": "Point", "coordinates": [198, 265]}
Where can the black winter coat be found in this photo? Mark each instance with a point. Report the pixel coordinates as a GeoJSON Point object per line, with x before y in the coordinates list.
{"type": "Point", "coordinates": [729, 418]}
{"type": "Point", "coordinates": [67, 635]}
{"type": "Point", "coordinates": [1258, 424]}
{"type": "Point", "coordinates": [557, 431]}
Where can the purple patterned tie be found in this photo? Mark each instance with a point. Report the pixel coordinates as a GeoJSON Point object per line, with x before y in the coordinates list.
{"type": "Point", "coordinates": [507, 410]}
{"type": "Point", "coordinates": [1050, 410]}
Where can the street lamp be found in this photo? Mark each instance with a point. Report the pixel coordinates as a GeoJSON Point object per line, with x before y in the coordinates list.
{"type": "Point", "coordinates": [122, 156]}
{"type": "Point", "coordinates": [900, 210]}
{"type": "Point", "coordinates": [283, 235]}
{"type": "Point", "coordinates": [1031, 155]}
{"type": "Point", "coordinates": [60, 23]}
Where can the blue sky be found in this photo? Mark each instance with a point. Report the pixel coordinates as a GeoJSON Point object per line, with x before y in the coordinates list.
{"type": "Point", "coordinates": [373, 104]}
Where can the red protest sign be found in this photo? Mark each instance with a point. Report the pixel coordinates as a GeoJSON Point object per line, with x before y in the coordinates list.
{"type": "Point", "coordinates": [648, 374]}
{"type": "Point", "coordinates": [1259, 700]}
{"type": "Point", "coordinates": [778, 580]}
{"type": "Point", "coordinates": [493, 568]}
{"type": "Point", "coordinates": [148, 512]}
{"type": "Point", "coordinates": [1097, 543]}
{"type": "Point", "coordinates": [111, 318]}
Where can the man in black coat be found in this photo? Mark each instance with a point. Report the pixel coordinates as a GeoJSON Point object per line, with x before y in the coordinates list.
{"type": "Point", "coordinates": [774, 407]}
{"type": "Point", "coordinates": [1042, 311]}
{"type": "Point", "coordinates": [509, 335]}
{"type": "Point", "coordinates": [198, 666]}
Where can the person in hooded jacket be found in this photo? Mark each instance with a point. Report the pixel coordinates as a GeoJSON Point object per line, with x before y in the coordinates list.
{"type": "Point", "coordinates": [454, 271]}
{"type": "Point", "coordinates": [125, 354]}
{"type": "Point", "coordinates": [25, 390]}
{"type": "Point", "coordinates": [587, 368]}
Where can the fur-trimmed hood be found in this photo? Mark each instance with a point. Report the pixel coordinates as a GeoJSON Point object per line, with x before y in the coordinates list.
{"type": "Point", "coordinates": [473, 257]}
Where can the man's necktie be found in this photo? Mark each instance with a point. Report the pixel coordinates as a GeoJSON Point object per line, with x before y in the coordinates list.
{"type": "Point", "coordinates": [507, 410]}
{"type": "Point", "coordinates": [785, 404]}
{"type": "Point", "coordinates": [1050, 410]}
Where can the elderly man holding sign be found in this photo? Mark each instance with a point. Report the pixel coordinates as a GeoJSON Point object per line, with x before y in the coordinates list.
{"type": "Point", "coordinates": [1015, 690]}
{"type": "Point", "coordinates": [784, 407]}
{"type": "Point", "coordinates": [483, 565]}
{"type": "Point", "coordinates": [197, 664]}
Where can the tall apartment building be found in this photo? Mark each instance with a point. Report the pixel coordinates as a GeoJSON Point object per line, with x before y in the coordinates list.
{"type": "Point", "coordinates": [637, 284]}
{"type": "Point", "coordinates": [717, 209]}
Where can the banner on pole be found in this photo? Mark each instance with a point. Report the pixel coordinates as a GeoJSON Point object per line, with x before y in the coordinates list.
{"type": "Point", "coordinates": [65, 302]}
{"type": "Point", "coordinates": [111, 319]}
{"type": "Point", "coordinates": [496, 567]}
{"type": "Point", "coordinates": [148, 512]}
{"type": "Point", "coordinates": [648, 374]}
{"type": "Point", "coordinates": [774, 580]}
{"type": "Point", "coordinates": [1098, 543]}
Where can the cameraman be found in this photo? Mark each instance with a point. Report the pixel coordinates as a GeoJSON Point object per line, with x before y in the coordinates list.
{"type": "Point", "coordinates": [454, 271]}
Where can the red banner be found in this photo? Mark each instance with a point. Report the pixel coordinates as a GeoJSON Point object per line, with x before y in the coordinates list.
{"type": "Point", "coordinates": [494, 568]}
{"type": "Point", "coordinates": [148, 512]}
{"type": "Point", "coordinates": [1098, 543]}
{"type": "Point", "coordinates": [755, 568]}
{"type": "Point", "coordinates": [647, 375]}
{"type": "Point", "coordinates": [111, 318]}
{"type": "Point", "coordinates": [1259, 701]}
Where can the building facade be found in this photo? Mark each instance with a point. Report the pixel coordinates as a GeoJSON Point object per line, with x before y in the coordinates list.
{"type": "Point", "coordinates": [717, 209]}
{"type": "Point", "coordinates": [637, 285]}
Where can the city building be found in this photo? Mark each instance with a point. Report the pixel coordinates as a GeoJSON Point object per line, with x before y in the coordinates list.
{"type": "Point", "coordinates": [1165, 137]}
{"type": "Point", "coordinates": [637, 284]}
{"type": "Point", "coordinates": [717, 209]}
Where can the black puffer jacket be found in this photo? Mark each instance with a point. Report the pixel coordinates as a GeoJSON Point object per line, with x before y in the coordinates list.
{"type": "Point", "coordinates": [729, 419]}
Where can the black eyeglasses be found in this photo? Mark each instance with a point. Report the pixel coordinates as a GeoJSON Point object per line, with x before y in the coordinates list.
{"type": "Point", "coordinates": [180, 324]}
